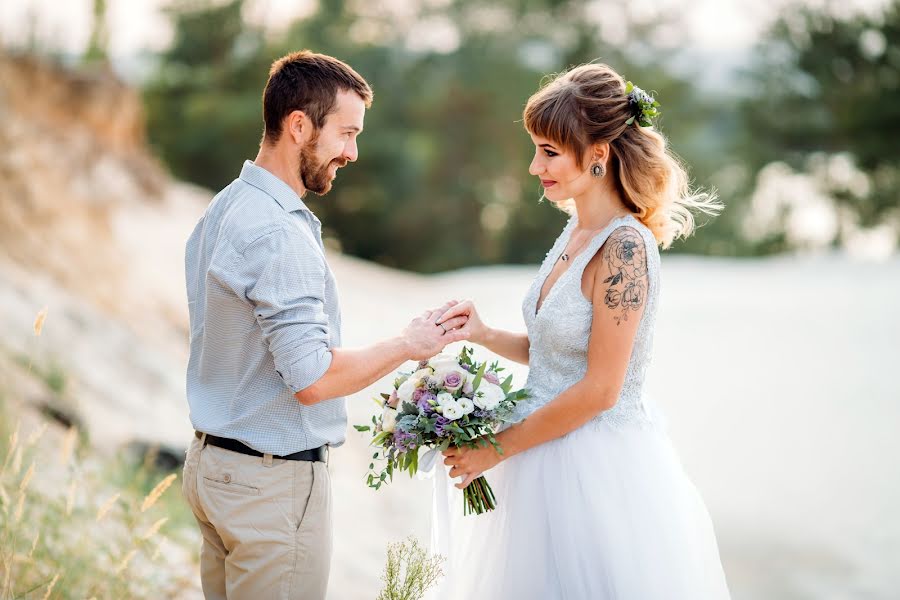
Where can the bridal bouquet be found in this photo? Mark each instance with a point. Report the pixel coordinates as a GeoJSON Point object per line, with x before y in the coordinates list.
{"type": "Point", "coordinates": [448, 401]}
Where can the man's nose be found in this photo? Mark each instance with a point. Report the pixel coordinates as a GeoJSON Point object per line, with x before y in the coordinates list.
{"type": "Point", "coordinates": [351, 152]}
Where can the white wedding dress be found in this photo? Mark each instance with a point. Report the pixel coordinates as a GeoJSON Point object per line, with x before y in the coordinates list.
{"type": "Point", "coordinates": [605, 512]}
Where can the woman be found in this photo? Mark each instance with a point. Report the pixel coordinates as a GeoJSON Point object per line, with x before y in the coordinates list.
{"type": "Point", "coordinates": [593, 502]}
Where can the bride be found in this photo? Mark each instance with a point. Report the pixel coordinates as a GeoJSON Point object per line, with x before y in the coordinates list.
{"type": "Point", "coordinates": [592, 499]}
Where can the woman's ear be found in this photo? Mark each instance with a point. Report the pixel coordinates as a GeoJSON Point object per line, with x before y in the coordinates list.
{"type": "Point", "coordinates": [601, 153]}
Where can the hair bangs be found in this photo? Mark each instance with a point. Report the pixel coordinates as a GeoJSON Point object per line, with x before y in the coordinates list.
{"type": "Point", "coordinates": [552, 114]}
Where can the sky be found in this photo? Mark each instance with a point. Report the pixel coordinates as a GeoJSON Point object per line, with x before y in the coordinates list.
{"type": "Point", "coordinates": [138, 25]}
{"type": "Point", "coordinates": [724, 29]}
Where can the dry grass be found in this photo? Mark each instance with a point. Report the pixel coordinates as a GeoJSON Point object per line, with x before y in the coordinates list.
{"type": "Point", "coordinates": [73, 525]}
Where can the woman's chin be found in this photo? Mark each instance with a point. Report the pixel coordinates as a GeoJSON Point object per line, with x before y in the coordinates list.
{"type": "Point", "coordinates": [554, 198]}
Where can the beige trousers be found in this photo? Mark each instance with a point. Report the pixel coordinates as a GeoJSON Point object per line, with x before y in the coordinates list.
{"type": "Point", "coordinates": [266, 524]}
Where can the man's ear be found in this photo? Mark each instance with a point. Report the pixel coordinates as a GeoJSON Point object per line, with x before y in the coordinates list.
{"type": "Point", "coordinates": [297, 125]}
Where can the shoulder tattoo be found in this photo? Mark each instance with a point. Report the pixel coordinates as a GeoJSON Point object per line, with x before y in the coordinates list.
{"type": "Point", "coordinates": [625, 255]}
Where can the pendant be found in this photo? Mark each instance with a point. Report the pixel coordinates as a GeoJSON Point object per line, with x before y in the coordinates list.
{"type": "Point", "coordinates": [564, 257]}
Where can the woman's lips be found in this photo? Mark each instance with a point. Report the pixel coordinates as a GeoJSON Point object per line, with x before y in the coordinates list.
{"type": "Point", "coordinates": [547, 183]}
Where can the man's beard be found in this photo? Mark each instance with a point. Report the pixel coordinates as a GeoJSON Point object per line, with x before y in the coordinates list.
{"type": "Point", "coordinates": [314, 174]}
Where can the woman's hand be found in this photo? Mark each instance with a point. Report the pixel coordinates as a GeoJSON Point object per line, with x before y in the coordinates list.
{"type": "Point", "coordinates": [470, 462]}
{"type": "Point", "coordinates": [474, 328]}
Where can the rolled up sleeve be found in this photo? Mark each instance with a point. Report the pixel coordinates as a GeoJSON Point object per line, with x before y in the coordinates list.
{"type": "Point", "coordinates": [285, 278]}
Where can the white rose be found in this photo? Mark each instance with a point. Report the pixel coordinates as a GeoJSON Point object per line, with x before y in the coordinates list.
{"type": "Point", "coordinates": [422, 373]}
{"type": "Point", "coordinates": [406, 389]}
{"type": "Point", "coordinates": [442, 359]}
{"type": "Point", "coordinates": [443, 364]}
{"type": "Point", "coordinates": [389, 419]}
{"type": "Point", "coordinates": [488, 396]}
{"type": "Point", "coordinates": [443, 399]}
{"type": "Point", "coordinates": [453, 411]}
{"type": "Point", "coordinates": [466, 405]}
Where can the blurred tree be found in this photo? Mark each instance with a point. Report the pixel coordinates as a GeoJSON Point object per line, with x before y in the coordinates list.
{"type": "Point", "coordinates": [823, 85]}
{"type": "Point", "coordinates": [203, 102]}
{"type": "Point", "coordinates": [442, 181]}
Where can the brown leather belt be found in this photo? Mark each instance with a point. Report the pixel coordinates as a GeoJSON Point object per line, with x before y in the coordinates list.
{"type": "Point", "coordinates": [319, 454]}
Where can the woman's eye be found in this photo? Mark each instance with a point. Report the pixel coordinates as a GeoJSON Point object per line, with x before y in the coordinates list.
{"type": "Point", "coordinates": [549, 153]}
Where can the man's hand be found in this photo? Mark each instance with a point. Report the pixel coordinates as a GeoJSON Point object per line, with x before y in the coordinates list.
{"type": "Point", "coordinates": [425, 338]}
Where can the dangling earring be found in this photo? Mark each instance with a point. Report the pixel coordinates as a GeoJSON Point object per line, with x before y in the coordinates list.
{"type": "Point", "coordinates": [598, 170]}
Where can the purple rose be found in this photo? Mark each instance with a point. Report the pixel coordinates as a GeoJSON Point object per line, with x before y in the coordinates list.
{"type": "Point", "coordinates": [417, 395]}
{"type": "Point", "coordinates": [452, 380]}
{"type": "Point", "coordinates": [393, 400]}
{"type": "Point", "coordinates": [492, 377]}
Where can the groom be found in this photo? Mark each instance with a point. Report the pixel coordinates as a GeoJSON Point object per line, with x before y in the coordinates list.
{"type": "Point", "coordinates": [267, 376]}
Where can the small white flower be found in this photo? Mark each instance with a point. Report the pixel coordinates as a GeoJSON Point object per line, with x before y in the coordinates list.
{"type": "Point", "coordinates": [389, 419]}
{"type": "Point", "coordinates": [466, 405]}
{"type": "Point", "coordinates": [453, 411]}
{"type": "Point", "coordinates": [443, 399]}
{"type": "Point", "coordinates": [488, 396]}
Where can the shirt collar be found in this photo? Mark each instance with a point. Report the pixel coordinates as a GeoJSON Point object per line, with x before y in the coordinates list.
{"type": "Point", "coordinates": [280, 191]}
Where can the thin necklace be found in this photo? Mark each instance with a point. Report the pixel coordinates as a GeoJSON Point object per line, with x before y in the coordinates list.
{"type": "Point", "coordinates": [565, 255]}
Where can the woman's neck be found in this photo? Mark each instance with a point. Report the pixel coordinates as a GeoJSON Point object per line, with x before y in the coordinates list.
{"type": "Point", "coordinates": [597, 207]}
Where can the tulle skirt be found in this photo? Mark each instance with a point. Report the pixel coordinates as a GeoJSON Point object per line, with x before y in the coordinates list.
{"type": "Point", "coordinates": [601, 513]}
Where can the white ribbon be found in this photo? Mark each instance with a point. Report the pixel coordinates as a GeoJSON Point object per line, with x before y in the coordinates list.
{"type": "Point", "coordinates": [426, 464]}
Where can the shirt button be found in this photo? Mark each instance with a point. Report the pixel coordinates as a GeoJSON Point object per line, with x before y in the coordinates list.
{"type": "Point", "coordinates": [226, 478]}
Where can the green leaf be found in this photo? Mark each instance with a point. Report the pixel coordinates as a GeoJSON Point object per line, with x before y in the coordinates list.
{"type": "Point", "coordinates": [479, 376]}
{"type": "Point", "coordinates": [507, 383]}
{"type": "Point", "coordinates": [428, 425]}
{"type": "Point", "coordinates": [362, 427]}
{"type": "Point", "coordinates": [629, 121]}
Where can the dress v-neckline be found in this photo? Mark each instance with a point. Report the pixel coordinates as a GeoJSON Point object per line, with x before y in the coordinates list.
{"type": "Point", "coordinates": [538, 304]}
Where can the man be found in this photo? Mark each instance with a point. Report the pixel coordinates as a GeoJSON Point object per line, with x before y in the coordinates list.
{"type": "Point", "coordinates": [266, 376]}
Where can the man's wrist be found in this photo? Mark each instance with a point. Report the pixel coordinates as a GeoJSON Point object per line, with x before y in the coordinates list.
{"type": "Point", "coordinates": [402, 347]}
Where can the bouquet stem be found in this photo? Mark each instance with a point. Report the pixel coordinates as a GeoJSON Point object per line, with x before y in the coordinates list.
{"type": "Point", "coordinates": [479, 497]}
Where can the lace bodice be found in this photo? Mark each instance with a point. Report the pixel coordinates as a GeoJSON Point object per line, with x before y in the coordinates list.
{"type": "Point", "coordinates": [559, 332]}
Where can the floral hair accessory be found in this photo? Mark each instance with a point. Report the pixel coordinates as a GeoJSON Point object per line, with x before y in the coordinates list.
{"type": "Point", "coordinates": [644, 107]}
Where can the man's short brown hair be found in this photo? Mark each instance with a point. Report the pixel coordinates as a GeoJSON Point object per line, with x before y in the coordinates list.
{"type": "Point", "coordinates": [309, 82]}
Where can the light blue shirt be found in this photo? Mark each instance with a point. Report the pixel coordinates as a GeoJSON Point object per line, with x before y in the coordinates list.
{"type": "Point", "coordinates": [264, 316]}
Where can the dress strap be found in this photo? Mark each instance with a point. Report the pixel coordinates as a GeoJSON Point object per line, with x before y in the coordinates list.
{"type": "Point", "coordinates": [599, 239]}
